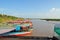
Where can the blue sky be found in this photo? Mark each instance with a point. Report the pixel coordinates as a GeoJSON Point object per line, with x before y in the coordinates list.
{"type": "Point", "coordinates": [31, 8]}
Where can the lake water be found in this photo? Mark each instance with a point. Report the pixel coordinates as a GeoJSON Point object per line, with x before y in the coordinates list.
{"type": "Point", "coordinates": [42, 28]}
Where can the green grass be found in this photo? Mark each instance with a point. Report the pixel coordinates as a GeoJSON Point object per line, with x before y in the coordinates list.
{"type": "Point", "coordinates": [4, 18]}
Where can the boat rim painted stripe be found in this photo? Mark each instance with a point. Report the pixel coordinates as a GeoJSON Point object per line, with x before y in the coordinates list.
{"type": "Point", "coordinates": [19, 33]}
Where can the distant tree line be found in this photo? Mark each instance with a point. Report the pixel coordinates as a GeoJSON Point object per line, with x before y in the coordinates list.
{"type": "Point", "coordinates": [51, 19]}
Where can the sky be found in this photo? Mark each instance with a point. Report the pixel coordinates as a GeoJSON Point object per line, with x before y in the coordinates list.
{"type": "Point", "coordinates": [31, 8]}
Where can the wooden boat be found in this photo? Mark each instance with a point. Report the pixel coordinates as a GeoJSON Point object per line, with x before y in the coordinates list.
{"type": "Point", "coordinates": [57, 29]}
{"type": "Point", "coordinates": [2, 31]}
{"type": "Point", "coordinates": [25, 31]}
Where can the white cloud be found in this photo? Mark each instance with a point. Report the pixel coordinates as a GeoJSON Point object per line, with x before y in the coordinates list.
{"type": "Point", "coordinates": [53, 9]}
{"type": "Point", "coordinates": [53, 13]}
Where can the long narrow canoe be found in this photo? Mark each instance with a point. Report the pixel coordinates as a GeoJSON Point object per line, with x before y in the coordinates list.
{"type": "Point", "coordinates": [2, 31]}
{"type": "Point", "coordinates": [10, 33]}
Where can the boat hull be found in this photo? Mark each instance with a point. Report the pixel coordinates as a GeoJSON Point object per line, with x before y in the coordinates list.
{"type": "Point", "coordinates": [29, 33]}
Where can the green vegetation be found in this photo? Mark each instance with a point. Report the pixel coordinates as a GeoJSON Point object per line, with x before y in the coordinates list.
{"type": "Point", "coordinates": [5, 18]}
{"type": "Point", "coordinates": [51, 19]}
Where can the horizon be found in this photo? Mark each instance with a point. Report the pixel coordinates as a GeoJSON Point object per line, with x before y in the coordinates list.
{"type": "Point", "coordinates": [31, 8]}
